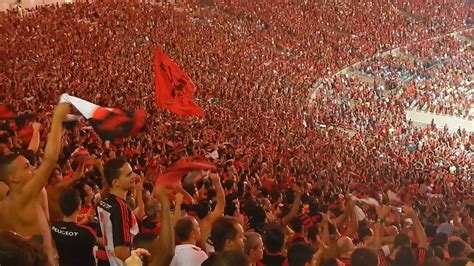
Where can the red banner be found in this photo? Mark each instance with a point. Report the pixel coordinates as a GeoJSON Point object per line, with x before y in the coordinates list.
{"type": "Point", "coordinates": [174, 88]}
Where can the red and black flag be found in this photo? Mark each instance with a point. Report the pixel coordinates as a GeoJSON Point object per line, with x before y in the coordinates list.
{"type": "Point", "coordinates": [109, 123]}
{"type": "Point", "coordinates": [7, 112]}
{"type": "Point", "coordinates": [174, 88]}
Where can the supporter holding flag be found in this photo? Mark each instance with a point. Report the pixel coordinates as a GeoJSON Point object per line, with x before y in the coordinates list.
{"type": "Point", "coordinates": [25, 216]}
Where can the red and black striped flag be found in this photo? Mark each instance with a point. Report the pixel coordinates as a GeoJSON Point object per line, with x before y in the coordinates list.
{"type": "Point", "coordinates": [109, 123]}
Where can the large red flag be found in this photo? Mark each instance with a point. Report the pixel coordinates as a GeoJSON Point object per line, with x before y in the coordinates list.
{"type": "Point", "coordinates": [174, 88]}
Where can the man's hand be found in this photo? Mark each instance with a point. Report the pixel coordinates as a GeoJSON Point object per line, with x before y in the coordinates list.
{"type": "Point", "coordinates": [326, 217]}
{"type": "Point", "coordinates": [349, 204]}
{"type": "Point", "coordinates": [61, 111]}
{"type": "Point", "coordinates": [79, 173]}
{"type": "Point", "coordinates": [215, 177]}
{"type": "Point", "coordinates": [161, 194]}
{"type": "Point", "coordinates": [178, 198]}
{"type": "Point", "coordinates": [138, 181]}
{"type": "Point", "coordinates": [134, 259]}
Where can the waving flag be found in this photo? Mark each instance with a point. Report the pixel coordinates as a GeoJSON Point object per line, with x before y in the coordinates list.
{"type": "Point", "coordinates": [180, 169]}
{"type": "Point", "coordinates": [108, 123]}
{"type": "Point", "coordinates": [174, 88]}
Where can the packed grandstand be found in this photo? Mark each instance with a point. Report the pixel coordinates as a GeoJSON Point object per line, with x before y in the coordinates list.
{"type": "Point", "coordinates": [304, 156]}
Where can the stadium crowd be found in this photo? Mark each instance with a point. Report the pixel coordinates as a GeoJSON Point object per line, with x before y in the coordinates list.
{"type": "Point", "coordinates": [294, 188]}
{"type": "Point", "coordinates": [433, 75]}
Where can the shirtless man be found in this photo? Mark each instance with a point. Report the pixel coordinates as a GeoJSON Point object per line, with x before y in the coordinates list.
{"type": "Point", "coordinates": [21, 210]}
{"type": "Point", "coordinates": [206, 222]}
{"type": "Point", "coordinates": [30, 154]}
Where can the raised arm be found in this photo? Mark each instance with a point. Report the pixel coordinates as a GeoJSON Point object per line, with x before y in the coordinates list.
{"type": "Point", "coordinates": [354, 223]}
{"type": "Point", "coordinates": [325, 233]}
{"type": "Point", "coordinates": [220, 198]}
{"type": "Point", "coordinates": [35, 139]}
{"type": "Point", "coordinates": [341, 219]}
{"type": "Point", "coordinates": [456, 219]}
{"type": "Point", "coordinates": [139, 197]}
{"type": "Point", "coordinates": [187, 198]}
{"type": "Point", "coordinates": [294, 207]}
{"type": "Point", "coordinates": [319, 255]}
{"type": "Point", "coordinates": [51, 153]}
{"type": "Point", "coordinates": [177, 207]}
{"type": "Point", "coordinates": [418, 228]}
{"type": "Point", "coordinates": [78, 174]}
{"type": "Point", "coordinates": [105, 186]}
{"type": "Point", "coordinates": [382, 214]}
{"type": "Point", "coordinates": [163, 246]}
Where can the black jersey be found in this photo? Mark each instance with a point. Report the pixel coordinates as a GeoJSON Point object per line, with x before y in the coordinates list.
{"type": "Point", "coordinates": [74, 243]}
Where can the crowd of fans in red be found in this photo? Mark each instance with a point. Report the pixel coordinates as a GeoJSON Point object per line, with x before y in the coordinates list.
{"type": "Point", "coordinates": [289, 181]}
{"type": "Point", "coordinates": [432, 75]}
